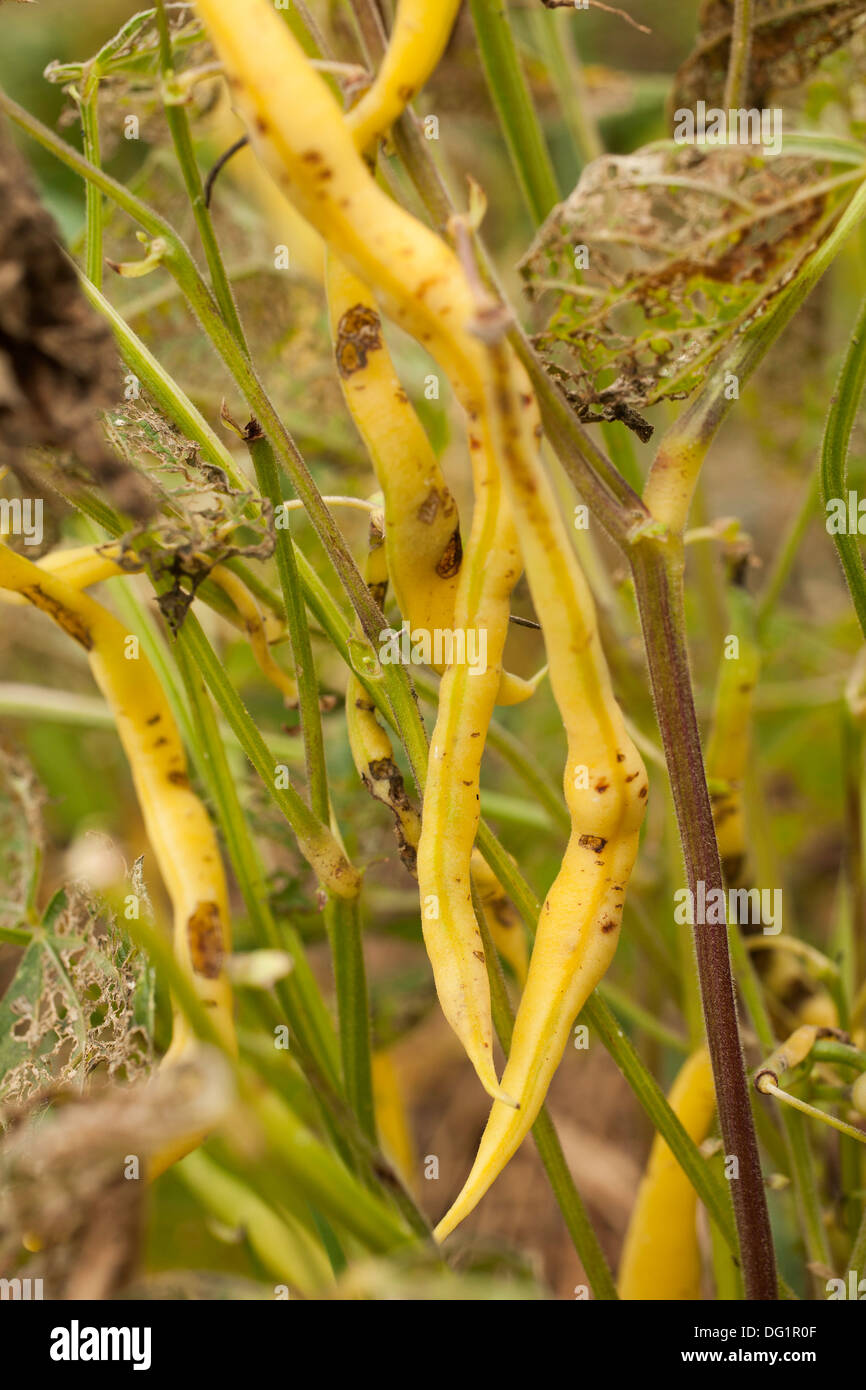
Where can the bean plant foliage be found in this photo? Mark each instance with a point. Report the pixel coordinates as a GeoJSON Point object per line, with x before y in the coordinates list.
{"type": "Point", "coordinates": [684, 249]}
{"type": "Point", "coordinates": [432, 715]}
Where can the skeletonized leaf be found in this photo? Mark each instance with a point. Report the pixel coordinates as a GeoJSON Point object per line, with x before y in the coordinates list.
{"type": "Point", "coordinates": [789, 39]}
{"type": "Point", "coordinates": [20, 836]}
{"type": "Point", "coordinates": [80, 1000]}
{"type": "Point", "coordinates": [657, 259]}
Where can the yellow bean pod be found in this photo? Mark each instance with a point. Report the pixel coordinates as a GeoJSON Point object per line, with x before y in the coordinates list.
{"type": "Point", "coordinates": [83, 566]}
{"type": "Point", "coordinates": [661, 1258]}
{"type": "Point", "coordinates": [373, 756]}
{"type": "Point", "coordinates": [605, 788]}
{"type": "Point", "coordinates": [177, 825]}
{"type": "Point", "coordinates": [421, 32]}
{"type": "Point", "coordinates": [422, 527]}
{"type": "Point", "coordinates": [301, 136]}
{"type": "Point", "coordinates": [392, 1120]}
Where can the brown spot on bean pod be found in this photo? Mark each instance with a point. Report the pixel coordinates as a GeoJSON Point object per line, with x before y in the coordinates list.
{"type": "Point", "coordinates": [205, 937]}
{"type": "Point", "coordinates": [594, 842]}
{"type": "Point", "coordinates": [71, 623]}
{"type": "Point", "coordinates": [359, 333]}
{"type": "Point", "coordinates": [452, 556]}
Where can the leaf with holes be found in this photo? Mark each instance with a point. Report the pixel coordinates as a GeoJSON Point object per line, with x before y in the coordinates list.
{"type": "Point", "coordinates": [658, 259]}
{"type": "Point", "coordinates": [789, 40]}
{"type": "Point", "coordinates": [80, 1001]}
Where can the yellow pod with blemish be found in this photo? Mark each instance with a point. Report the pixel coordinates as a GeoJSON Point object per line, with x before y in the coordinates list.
{"type": "Point", "coordinates": [176, 822]}
{"type": "Point", "coordinates": [421, 31]}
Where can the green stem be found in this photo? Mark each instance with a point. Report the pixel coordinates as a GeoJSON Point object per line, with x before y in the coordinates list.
{"type": "Point", "coordinates": [170, 397]}
{"type": "Point", "coordinates": [554, 35]}
{"type": "Point", "coordinates": [295, 615]}
{"type": "Point", "coordinates": [298, 993]}
{"type": "Point", "coordinates": [343, 918]}
{"type": "Point", "coordinates": [178, 125]}
{"type": "Point", "coordinates": [316, 841]}
{"type": "Point", "coordinates": [834, 457]}
{"type": "Point", "coordinates": [89, 108]}
{"type": "Point", "coordinates": [506, 83]}
{"type": "Point", "coordinates": [737, 81]}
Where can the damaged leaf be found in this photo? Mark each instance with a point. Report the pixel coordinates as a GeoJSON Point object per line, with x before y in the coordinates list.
{"type": "Point", "coordinates": [80, 1001]}
{"type": "Point", "coordinates": [789, 40]}
{"type": "Point", "coordinates": [21, 839]}
{"type": "Point", "coordinates": [658, 259]}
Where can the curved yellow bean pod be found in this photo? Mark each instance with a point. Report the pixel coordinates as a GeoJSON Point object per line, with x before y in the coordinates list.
{"type": "Point", "coordinates": [373, 756]}
{"type": "Point", "coordinates": [421, 32]}
{"type": "Point", "coordinates": [83, 566]}
{"type": "Point", "coordinates": [301, 136]}
{"type": "Point", "coordinates": [661, 1258]}
{"type": "Point", "coordinates": [176, 822]}
{"type": "Point", "coordinates": [422, 527]}
{"type": "Point", "coordinates": [605, 788]}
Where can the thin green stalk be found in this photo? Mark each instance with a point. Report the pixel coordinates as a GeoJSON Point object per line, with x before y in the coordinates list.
{"type": "Point", "coordinates": [554, 35]}
{"type": "Point", "coordinates": [88, 105]}
{"type": "Point", "coordinates": [737, 80]}
{"type": "Point", "coordinates": [343, 917]}
{"type": "Point", "coordinates": [844, 406]}
{"type": "Point", "coordinates": [298, 992]}
{"type": "Point", "coordinates": [178, 125]}
{"type": "Point", "coordinates": [295, 615]}
{"type": "Point", "coordinates": [624, 1007]}
{"type": "Point", "coordinates": [316, 841]}
{"type": "Point", "coordinates": [524, 137]}
{"type": "Point", "coordinates": [783, 562]}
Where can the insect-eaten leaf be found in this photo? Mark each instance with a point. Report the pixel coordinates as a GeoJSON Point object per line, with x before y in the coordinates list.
{"type": "Point", "coordinates": [658, 259]}
{"type": "Point", "coordinates": [789, 40]}
{"type": "Point", "coordinates": [21, 842]}
{"type": "Point", "coordinates": [81, 1002]}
